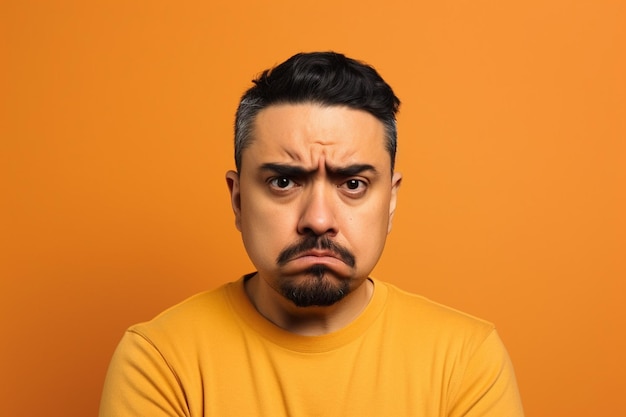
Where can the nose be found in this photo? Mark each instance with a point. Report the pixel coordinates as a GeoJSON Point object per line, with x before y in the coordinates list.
{"type": "Point", "coordinates": [318, 212]}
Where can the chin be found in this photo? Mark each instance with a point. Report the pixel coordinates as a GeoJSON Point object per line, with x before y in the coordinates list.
{"type": "Point", "coordinates": [318, 288]}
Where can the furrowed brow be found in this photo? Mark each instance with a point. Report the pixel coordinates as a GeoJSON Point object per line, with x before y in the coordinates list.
{"type": "Point", "coordinates": [351, 170]}
{"type": "Point", "coordinates": [286, 170]}
{"type": "Point", "coordinates": [297, 171]}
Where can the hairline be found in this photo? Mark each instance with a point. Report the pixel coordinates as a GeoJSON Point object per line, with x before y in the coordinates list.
{"type": "Point", "coordinates": [244, 136]}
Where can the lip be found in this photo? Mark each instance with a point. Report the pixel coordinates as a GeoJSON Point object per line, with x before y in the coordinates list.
{"type": "Point", "coordinates": [317, 253]}
{"type": "Point", "coordinates": [319, 257]}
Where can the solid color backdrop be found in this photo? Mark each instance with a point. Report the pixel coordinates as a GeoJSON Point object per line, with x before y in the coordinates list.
{"type": "Point", "coordinates": [116, 132]}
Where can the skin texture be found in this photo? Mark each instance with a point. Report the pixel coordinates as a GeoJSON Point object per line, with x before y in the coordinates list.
{"type": "Point", "coordinates": [313, 174]}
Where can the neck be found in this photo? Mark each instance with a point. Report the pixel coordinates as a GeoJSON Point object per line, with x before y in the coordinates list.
{"type": "Point", "coordinates": [307, 321]}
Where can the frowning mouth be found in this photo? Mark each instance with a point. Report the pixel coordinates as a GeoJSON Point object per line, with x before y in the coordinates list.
{"type": "Point", "coordinates": [314, 248]}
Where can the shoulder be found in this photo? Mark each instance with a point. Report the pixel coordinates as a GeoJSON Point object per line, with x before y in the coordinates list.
{"type": "Point", "coordinates": [418, 317]}
{"type": "Point", "coordinates": [201, 315]}
{"type": "Point", "coordinates": [417, 304]}
{"type": "Point", "coordinates": [155, 365]}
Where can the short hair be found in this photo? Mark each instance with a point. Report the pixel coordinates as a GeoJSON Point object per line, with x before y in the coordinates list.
{"type": "Point", "coordinates": [326, 78]}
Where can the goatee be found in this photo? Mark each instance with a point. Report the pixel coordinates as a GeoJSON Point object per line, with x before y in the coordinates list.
{"type": "Point", "coordinates": [318, 290]}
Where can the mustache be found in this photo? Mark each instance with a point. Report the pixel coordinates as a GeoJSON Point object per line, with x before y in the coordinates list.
{"type": "Point", "coordinates": [311, 242]}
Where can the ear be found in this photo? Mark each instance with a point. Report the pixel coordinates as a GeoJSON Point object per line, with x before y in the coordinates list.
{"type": "Point", "coordinates": [396, 180]}
{"type": "Point", "coordinates": [232, 180]}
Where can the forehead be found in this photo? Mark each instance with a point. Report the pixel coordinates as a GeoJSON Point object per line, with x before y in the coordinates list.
{"type": "Point", "coordinates": [311, 133]}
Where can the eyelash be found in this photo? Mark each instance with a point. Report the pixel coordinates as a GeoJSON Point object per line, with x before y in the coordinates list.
{"type": "Point", "coordinates": [273, 183]}
{"type": "Point", "coordinates": [360, 190]}
{"type": "Point", "coordinates": [362, 186]}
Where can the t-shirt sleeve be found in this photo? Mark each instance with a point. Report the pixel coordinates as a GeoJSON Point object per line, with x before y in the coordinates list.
{"type": "Point", "coordinates": [140, 383]}
{"type": "Point", "coordinates": [488, 387]}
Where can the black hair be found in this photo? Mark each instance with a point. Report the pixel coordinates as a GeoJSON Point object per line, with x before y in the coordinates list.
{"type": "Point", "coordinates": [326, 78]}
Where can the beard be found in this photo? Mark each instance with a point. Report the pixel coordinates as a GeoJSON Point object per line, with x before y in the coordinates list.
{"type": "Point", "coordinates": [318, 290]}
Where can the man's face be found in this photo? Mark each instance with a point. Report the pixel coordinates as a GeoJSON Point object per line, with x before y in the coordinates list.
{"type": "Point", "coordinates": [314, 199]}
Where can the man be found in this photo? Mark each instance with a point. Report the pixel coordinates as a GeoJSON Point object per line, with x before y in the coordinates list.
{"type": "Point", "coordinates": [310, 333]}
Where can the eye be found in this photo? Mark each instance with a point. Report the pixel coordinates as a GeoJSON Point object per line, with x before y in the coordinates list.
{"type": "Point", "coordinates": [353, 184]}
{"type": "Point", "coordinates": [281, 183]}
{"type": "Point", "coordinates": [354, 187]}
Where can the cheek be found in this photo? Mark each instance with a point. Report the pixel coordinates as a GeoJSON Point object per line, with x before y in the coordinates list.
{"type": "Point", "coordinates": [367, 230]}
{"type": "Point", "coordinates": [264, 232]}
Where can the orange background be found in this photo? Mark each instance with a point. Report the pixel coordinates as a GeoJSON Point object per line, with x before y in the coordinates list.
{"type": "Point", "coordinates": [116, 132]}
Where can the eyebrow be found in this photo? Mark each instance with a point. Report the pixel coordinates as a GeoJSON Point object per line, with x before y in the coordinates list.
{"type": "Point", "coordinates": [298, 171]}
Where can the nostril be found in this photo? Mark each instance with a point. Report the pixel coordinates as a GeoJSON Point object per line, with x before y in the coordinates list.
{"type": "Point", "coordinates": [317, 232]}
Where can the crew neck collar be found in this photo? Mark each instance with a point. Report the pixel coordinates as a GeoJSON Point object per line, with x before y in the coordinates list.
{"type": "Point", "coordinates": [250, 317]}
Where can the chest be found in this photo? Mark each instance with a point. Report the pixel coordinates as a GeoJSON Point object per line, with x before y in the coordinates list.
{"type": "Point", "coordinates": [369, 377]}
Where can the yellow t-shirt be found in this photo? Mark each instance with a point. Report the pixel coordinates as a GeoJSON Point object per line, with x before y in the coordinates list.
{"type": "Point", "coordinates": [215, 355]}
